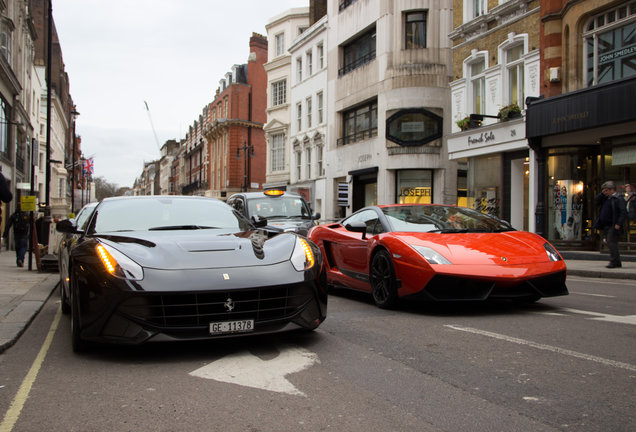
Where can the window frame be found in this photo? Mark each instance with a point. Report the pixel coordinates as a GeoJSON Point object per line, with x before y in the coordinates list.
{"type": "Point", "coordinates": [277, 152]}
{"type": "Point", "coordinates": [279, 92]}
{"type": "Point", "coordinates": [358, 52]}
{"type": "Point", "coordinates": [355, 115]}
{"type": "Point", "coordinates": [409, 43]}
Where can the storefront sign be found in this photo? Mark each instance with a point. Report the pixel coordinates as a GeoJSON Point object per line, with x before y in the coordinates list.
{"type": "Point", "coordinates": [482, 138]}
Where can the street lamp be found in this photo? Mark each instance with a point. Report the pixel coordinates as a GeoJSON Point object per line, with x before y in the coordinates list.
{"type": "Point", "coordinates": [246, 175]}
{"type": "Point", "coordinates": [74, 115]}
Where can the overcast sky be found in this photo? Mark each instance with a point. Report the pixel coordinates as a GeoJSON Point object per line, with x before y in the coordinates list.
{"type": "Point", "coordinates": [169, 53]}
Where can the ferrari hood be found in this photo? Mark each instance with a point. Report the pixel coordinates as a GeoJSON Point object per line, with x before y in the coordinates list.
{"type": "Point", "coordinates": [199, 249]}
{"type": "Point", "coordinates": [507, 248]}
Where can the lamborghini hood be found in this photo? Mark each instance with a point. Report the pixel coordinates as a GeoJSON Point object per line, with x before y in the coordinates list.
{"type": "Point", "coordinates": [507, 248]}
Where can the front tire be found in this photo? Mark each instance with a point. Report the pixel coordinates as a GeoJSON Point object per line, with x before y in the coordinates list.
{"type": "Point", "coordinates": [382, 277]}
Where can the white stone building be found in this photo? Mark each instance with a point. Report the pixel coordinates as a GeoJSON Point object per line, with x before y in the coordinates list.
{"type": "Point", "coordinates": [388, 105]}
{"type": "Point", "coordinates": [308, 128]}
{"type": "Point", "coordinates": [281, 31]}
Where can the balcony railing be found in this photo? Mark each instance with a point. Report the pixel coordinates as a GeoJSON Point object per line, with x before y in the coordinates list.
{"type": "Point", "coordinates": [359, 62]}
{"type": "Point", "coordinates": [358, 136]}
{"type": "Point", "coordinates": [193, 187]}
{"type": "Point", "coordinates": [345, 4]}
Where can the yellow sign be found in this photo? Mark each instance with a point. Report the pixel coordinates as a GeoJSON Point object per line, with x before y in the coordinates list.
{"type": "Point", "coordinates": [27, 203]}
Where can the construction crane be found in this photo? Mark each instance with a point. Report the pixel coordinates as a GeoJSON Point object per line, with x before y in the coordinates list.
{"type": "Point", "coordinates": [152, 125]}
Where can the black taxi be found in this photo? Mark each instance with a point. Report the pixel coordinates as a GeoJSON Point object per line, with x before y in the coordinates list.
{"type": "Point", "coordinates": [275, 210]}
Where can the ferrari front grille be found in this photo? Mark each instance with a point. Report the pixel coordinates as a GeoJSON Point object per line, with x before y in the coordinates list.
{"type": "Point", "coordinates": [197, 309]}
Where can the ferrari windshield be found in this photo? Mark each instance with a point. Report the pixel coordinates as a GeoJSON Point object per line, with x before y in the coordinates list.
{"type": "Point", "coordinates": [163, 213]}
{"type": "Point", "coordinates": [441, 219]}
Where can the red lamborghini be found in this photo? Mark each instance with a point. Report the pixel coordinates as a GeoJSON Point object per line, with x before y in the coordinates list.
{"type": "Point", "coordinates": [437, 252]}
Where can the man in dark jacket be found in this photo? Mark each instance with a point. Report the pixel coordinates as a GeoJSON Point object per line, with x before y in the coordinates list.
{"type": "Point", "coordinates": [611, 219]}
{"type": "Point", "coordinates": [20, 221]}
{"type": "Point", "coordinates": [5, 196]}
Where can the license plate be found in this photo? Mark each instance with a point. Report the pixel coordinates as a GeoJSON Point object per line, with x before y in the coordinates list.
{"type": "Point", "coordinates": [238, 326]}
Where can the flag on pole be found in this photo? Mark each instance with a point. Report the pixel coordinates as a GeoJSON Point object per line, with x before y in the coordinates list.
{"type": "Point", "coordinates": [88, 166]}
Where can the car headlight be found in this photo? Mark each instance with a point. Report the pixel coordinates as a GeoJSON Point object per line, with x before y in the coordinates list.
{"type": "Point", "coordinates": [431, 255]}
{"type": "Point", "coordinates": [552, 252]}
{"type": "Point", "coordinates": [303, 257]}
{"type": "Point", "coordinates": [118, 264]}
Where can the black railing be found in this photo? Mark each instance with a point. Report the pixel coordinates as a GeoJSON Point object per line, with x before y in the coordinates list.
{"type": "Point", "coordinates": [193, 187]}
{"type": "Point", "coordinates": [367, 58]}
{"type": "Point", "coordinates": [358, 136]}
{"type": "Point", "coordinates": [345, 4]}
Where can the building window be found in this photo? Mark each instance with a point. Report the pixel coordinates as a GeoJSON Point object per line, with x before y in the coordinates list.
{"type": "Point", "coordinates": [321, 56]}
{"type": "Point", "coordinates": [4, 129]}
{"type": "Point", "coordinates": [413, 127]}
{"type": "Point", "coordinates": [360, 123]}
{"type": "Point", "coordinates": [280, 44]}
{"type": "Point", "coordinates": [308, 161]}
{"type": "Point", "coordinates": [279, 92]}
{"type": "Point", "coordinates": [415, 29]}
{"type": "Point", "coordinates": [474, 9]}
{"type": "Point", "coordinates": [320, 105]}
{"type": "Point", "coordinates": [309, 63]}
{"type": "Point", "coordinates": [299, 69]}
{"type": "Point", "coordinates": [309, 112]}
{"type": "Point", "coordinates": [514, 70]}
{"type": "Point", "coordinates": [319, 166]}
{"type": "Point", "coordinates": [299, 116]}
{"type": "Point", "coordinates": [610, 45]}
{"type": "Point", "coordinates": [358, 53]}
{"type": "Point", "coordinates": [298, 164]}
{"type": "Point", "coordinates": [5, 40]}
{"type": "Point", "coordinates": [478, 86]}
{"type": "Point", "coordinates": [278, 152]}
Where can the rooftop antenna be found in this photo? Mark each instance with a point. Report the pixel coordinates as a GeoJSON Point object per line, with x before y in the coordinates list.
{"type": "Point", "coordinates": [152, 125]}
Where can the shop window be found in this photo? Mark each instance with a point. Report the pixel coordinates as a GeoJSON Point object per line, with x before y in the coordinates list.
{"type": "Point", "coordinates": [610, 45]}
{"type": "Point", "coordinates": [484, 184]}
{"type": "Point", "coordinates": [414, 186]}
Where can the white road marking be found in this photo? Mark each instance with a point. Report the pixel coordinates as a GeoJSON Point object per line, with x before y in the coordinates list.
{"type": "Point", "coordinates": [541, 346]}
{"type": "Point", "coordinates": [245, 369]}
{"type": "Point", "coordinates": [621, 319]}
{"type": "Point", "coordinates": [593, 295]}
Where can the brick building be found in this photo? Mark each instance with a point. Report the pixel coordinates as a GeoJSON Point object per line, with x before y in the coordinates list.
{"type": "Point", "coordinates": [495, 68]}
{"type": "Point", "coordinates": [232, 127]}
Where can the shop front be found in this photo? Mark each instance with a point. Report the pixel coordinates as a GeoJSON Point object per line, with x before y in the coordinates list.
{"type": "Point", "coordinates": [497, 170]}
{"type": "Point", "coordinates": [580, 140]}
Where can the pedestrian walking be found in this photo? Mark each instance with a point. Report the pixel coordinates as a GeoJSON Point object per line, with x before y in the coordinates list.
{"type": "Point", "coordinates": [611, 219]}
{"type": "Point", "coordinates": [5, 196]}
{"type": "Point", "coordinates": [20, 222]}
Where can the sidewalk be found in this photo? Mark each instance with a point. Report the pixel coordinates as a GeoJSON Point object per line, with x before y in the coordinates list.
{"type": "Point", "coordinates": [23, 292]}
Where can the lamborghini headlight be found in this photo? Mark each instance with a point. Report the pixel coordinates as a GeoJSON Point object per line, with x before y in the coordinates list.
{"type": "Point", "coordinates": [303, 256]}
{"type": "Point", "coordinates": [430, 255]}
{"type": "Point", "coordinates": [552, 252]}
{"type": "Point", "coordinates": [118, 264]}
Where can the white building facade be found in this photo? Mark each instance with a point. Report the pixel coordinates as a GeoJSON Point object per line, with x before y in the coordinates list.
{"type": "Point", "coordinates": [389, 104]}
{"type": "Point", "coordinates": [281, 31]}
{"type": "Point", "coordinates": [308, 123]}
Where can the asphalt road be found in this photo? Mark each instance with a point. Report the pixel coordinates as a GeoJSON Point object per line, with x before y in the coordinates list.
{"type": "Point", "coordinates": [566, 364]}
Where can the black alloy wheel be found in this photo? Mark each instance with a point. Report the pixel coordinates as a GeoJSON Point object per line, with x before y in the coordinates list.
{"type": "Point", "coordinates": [383, 286]}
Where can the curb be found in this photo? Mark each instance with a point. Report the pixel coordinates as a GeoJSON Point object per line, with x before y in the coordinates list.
{"type": "Point", "coordinates": [14, 323]}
